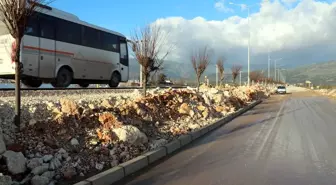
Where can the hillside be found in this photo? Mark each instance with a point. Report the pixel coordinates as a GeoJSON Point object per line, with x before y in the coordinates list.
{"type": "Point", "coordinates": [318, 73]}
{"type": "Point", "coordinates": [177, 70]}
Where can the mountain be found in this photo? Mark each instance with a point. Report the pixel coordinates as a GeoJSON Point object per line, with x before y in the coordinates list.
{"type": "Point", "coordinates": [173, 70]}
{"type": "Point", "coordinates": [176, 70]}
{"type": "Point", "coordinates": [321, 73]}
{"type": "Point", "coordinates": [318, 73]}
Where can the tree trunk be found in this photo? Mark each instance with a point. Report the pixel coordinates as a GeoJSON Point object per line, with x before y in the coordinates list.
{"type": "Point", "coordinates": [17, 118]}
{"type": "Point", "coordinates": [144, 82]}
{"type": "Point", "coordinates": [198, 83]}
{"type": "Point", "coordinates": [144, 87]}
{"type": "Point", "coordinates": [221, 80]}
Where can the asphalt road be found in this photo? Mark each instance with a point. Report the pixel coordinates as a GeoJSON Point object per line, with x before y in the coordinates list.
{"type": "Point", "coordinates": [288, 139]}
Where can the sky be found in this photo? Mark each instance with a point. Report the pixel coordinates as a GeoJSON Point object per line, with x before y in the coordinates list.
{"type": "Point", "coordinates": [298, 31]}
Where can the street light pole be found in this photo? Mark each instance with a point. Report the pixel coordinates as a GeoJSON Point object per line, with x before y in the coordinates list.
{"type": "Point", "coordinates": [248, 48]}
{"type": "Point", "coordinates": [275, 69]}
{"type": "Point", "coordinates": [249, 38]}
{"type": "Point", "coordinates": [216, 76]}
{"type": "Point", "coordinates": [269, 67]}
{"type": "Point", "coordinates": [275, 76]}
{"type": "Point", "coordinates": [240, 78]}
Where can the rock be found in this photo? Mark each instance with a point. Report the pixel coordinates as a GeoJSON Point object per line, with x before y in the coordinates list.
{"type": "Point", "coordinates": [130, 134]}
{"type": "Point", "coordinates": [74, 142]}
{"type": "Point", "coordinates": [59, 156]}
{"type": "Point", "coordinates": [32, 122]}
{"type": "Point", "coordinates": [22, 126]}
{"type": "Point", "coordinates": [194, 126]}
{"type": "Point", "coordinates": [69, 172]}
{"type": "Point", "coordinates": [99, 166]}
{"type": "Point", "coordinates": [49, 174]}
{"type": "Point", "coordinates": [93, 106]}
{"type": "Point", "coordinates": [5, 180]}
{"type": "Point", "coordinates": [58, 176]}
{"type": "Point", "coordinates": [141, 112]}
{"type": "Point", "coordinates": [184, 109]}
{"type": "Point", "coordinates": [114, 163]}
{"type": "Point", "coordinates": [27, 178]}
{"type": "Point", "coordinates": [16, 183]}
{"type": "Point", "coordinates": [136, 92]}
{"type": "Point", "coordinates": [227, 94]}
{"type": "Point", "coordinates": [124, 154]}
{"type": "Point", "coordinates": [69, 107]}
{"type": "Point", "coordinates": [52, 183]}
{"type": "Point", "coordinates": [106, 103]}
{"type": "Point", "coordinates": [54, 164]}
{"type": "Point", "coordinates": [51, 143]}
{"type": "Point", "coordinates": [16, 162]}
{"type": "Point", "coordinates": [201, 108]}
{"type": "Point", "coordinates": [38, 154]}
{"type": "Point", "coordinates": [94, 141]}
{"type": "Point", "coordinates": [113, 151]}
{"type": "Point", "coordinates": [213, 91]}
{"type": "Point", "coordinates": [40, 169]}
{"type": "Point", "coordinates": [205, 114]}
{"type": "Point", "coordinates": [8, 139]}
{"type": "Point", "coordinates": [62, 151]}
{"type": "Point", "coordinates": [47, 158]}
{"type": "Point", "coordinates": [191, 113]}
{"type": "Point", "coordinates": [39, 180]}
{"type": "Point", "coordinates": [220, 108]}
{"type": "Point", "coordinates": [206, 99]}
{"type": "Point", "coordinates": [35, 162]}
{"type": "Point", "coordinates": [109, 120]}
{"type": "Point", "coordinates": [218, 98]}
{"type": "Point", "coordinates": [2, 144]}
{"type": "Point", "coordinates": [157, 143]}
{"type": "Point", "coordinates": [31, 156]}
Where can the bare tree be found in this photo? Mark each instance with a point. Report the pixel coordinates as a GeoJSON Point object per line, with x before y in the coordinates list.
{"type": "Point", "coordinates": [235, 69]}
{"type": "Point", "coordinates": [200, 61]}
{"type": "Point", "coordinates": [147, 45]}
{"type": "Point", "coordinates": [256, 76]}
{"type": "Point", "coordinates": [220, 66]}
{"type": "Point", "coordinates": [15, 15]}
{"type": "Point", "coordinates": [162, 78]}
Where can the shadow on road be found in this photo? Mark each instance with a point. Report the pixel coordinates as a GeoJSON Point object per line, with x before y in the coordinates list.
{"type": "Point", "coordinates": [261, 114]}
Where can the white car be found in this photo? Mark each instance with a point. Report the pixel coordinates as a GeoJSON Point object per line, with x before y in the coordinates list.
{"type": "Point", "coordinates": [281, 89]}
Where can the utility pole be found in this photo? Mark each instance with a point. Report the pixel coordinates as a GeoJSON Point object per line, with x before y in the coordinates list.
{"type": "Point", "coordinates": [248, 48]}
{"type": "Point", "coordinates": [249, 37]}
{"type": "Point", "coordinates": [240, 78]}
{"type": "Point", "coordinates": [269, 67]}
{"type": "Point", "coordinates": [216, 75]}
{"type": "Point", "coordinates": [275, 74]}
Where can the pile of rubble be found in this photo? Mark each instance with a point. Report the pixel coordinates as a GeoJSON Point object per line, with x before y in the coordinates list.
{"type": "Point", "coordinates": [327, 92]}
{"type": "Point", "coordinates": [65, 139]}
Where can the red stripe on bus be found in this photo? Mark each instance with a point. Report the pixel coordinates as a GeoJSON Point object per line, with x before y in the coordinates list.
{"type": "Point", "coordinates": [47, 50]}
{"type": "Point", "coordinates": [92, 61]}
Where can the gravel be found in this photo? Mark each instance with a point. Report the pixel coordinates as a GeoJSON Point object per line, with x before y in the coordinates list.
{"type": "Point", "coordinates": [53, 92]}
{"type": "Point", "coordinates": [80, 134]}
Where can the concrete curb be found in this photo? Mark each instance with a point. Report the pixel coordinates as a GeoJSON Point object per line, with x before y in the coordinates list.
{"type": "Point", "coordinates": [122, 170]}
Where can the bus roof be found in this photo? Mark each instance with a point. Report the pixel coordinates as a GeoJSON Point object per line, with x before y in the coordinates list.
{"type": "Point", "coordinates": [73, 18]}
